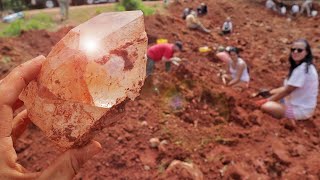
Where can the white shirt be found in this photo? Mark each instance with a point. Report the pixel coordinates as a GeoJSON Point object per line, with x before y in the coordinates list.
{"type": "Point", "coordinates": [283, 10]}
{"type": "Point", "coordinates": [270, 4]}
{"type": "Point", "coordinates": [245, 74]}
{"type": "Point", "coordinates": [305, 96]}
{"type": "Point", "coordinates": [295, 9]}
{"type": "Point", "coordinates": [227, 26]}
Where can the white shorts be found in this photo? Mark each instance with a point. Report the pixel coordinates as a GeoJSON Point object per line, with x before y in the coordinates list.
{"type": "Point", "coordinates": [298, 113]}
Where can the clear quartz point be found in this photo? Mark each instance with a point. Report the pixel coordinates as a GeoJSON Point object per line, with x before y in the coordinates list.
{"type": "Point", "coordinates": [95, 67]}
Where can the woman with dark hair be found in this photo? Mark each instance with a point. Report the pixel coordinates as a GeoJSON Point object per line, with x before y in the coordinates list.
{"type": "Point", "coordinates": [300, 90]}
{"type": "Point", "coordinates": [237, 67]}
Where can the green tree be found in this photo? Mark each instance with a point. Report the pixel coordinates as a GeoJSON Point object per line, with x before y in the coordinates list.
{"type": "Point", "coordinates": [15, 5]}
{"type": "Point", "coordinates": [129, 5]}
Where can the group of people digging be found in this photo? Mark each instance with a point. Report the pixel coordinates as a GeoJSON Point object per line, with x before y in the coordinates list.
{"type": "Point", "coordinates": [297, 98]}
{"type": "Point", "coordinates": [290, 100]}
{"type": "Point", "coordinates": [193, 22]}
{"type": "Point", "coordinates": [294, 9]}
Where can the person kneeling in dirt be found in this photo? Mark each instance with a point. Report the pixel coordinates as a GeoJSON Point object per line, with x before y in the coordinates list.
{"type": "Point", "coordinates": [295, 9]}
{"type": "Point", "coordinates": [162, 52]}
{"type": "Point", "coordinates": [306, 6]}
{"type": "Point", "coordinates": [282, 8]}
{"type": "Point", "coordinates": [194, 23]}
{"type": "Point", "coordinates": [202, 9]}
{"type": "Point", "coordinates": [186, 12]}
{"type": "Point", "coordinates": [227, 26]}
{"type": "Point", "coordinates": [298, 96]}
{"type": "Point", "coordinates": [271, 5]}
{"type": "Point", "coordinates": [237, 67]}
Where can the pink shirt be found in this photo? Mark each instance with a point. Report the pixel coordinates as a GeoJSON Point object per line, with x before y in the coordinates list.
{"type": "Point", "coordinates": [223, 56]}
{"type": "Point", "coordinates": [156, 52]}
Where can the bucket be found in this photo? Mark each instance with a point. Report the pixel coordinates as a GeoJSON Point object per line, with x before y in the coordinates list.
{"type": "Point", "coordinates": [204, 49]}
{"type": "Point", "coordinates": [162, 41]}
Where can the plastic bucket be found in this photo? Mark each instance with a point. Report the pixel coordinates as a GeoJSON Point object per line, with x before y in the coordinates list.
{"type": "Point", "coordinates": [161, 41]}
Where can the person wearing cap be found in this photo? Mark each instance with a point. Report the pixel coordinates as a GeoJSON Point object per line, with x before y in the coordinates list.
{"type": "Point", "coordinates": [237, 67]}
{"type": "Point", "coordinates": [227, 26]}
{"type": "Point", "coordinates": [162, 52]}
{"type": "Point", "coordinates": [202, 9]}
{"type": "Point", "coordinates": [194, 23]}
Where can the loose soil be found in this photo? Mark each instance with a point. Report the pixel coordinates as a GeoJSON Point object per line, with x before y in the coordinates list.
{"type": "Point", "coordinates": [218, 129]}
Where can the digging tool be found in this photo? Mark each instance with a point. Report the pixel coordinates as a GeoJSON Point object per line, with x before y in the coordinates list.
{"type": "Point", "coordinates": [262, 92]}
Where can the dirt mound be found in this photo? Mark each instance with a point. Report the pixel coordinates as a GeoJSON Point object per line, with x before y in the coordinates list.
{"type": "Point", "coordinates": [216, 128]}
{"type": "Point", "coordinates": [14, 51]}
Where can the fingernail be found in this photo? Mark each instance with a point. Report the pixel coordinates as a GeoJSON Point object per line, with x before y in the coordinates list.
{"type": "Point", "coordinates": [37, 60]}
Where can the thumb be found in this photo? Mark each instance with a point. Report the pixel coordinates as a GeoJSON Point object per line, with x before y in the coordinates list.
{"type": "Point", "coordinates": [68, 164]}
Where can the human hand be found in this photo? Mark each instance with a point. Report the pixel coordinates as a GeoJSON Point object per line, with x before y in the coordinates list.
{"type": "Point", "coordinates": [66, 166]}
{"type": "Point", "coordinates": [261, 102]}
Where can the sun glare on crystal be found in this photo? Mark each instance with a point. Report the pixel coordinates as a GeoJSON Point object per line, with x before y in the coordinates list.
{"type": "Point", "coordinates": [90, 45]}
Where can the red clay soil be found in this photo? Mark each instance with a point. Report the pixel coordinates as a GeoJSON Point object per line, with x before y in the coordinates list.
{"type": "Point", "coordinates": [216, 128]}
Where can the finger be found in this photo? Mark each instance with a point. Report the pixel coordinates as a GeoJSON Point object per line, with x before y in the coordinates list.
{"type": "Point", "coordinates": [9, 168]}
{"type": "Point", "coordinates": [20, 123]}
{"type": "Point", "coordinates": [67, 165]}
{"type": "Point", "coordinates": [12, 85]}
{"type": "Point", "coordinates": [16, 175]}
{"type": "Point", "coordinates": [6, 116]}
{"type": "Point", "coordinates": [10, 88]}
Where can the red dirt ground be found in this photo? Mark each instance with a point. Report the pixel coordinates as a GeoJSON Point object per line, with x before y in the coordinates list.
{"type": "Point", "coordinates": [216, 128]}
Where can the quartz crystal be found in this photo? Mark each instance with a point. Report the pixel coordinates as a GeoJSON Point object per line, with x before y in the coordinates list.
{"type": "Point", "coordinates": [87, 75]}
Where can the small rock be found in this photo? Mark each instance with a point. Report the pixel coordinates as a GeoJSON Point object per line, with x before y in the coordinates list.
{"type": "Point", "coordinates": [120, 139]}
{"type": "Point", "coordinates": [280, 153]}
{"type": "Point", "coordinates": [162, 145]}
{"type": "Point", "coordinates": [129, 128]}
{"type": "Point", "coordinates": [144, 123]}
{"type": "Point", "coordinates": [289, 124]}
{"type": "Point", "coordinates": [154, 142]}
{"type": "Point", "coordinates": [236, 171]}
{"type": "Point", "coordinates": [299, 150]}
{"type": "Point", "coordinates": [183, 170]}
{"type": "Point", "coordinates": [284, 40]}
{"type": "Point", "coordinates": [269, 29]}
{"type": "Point", "coordinates": [146, 167]}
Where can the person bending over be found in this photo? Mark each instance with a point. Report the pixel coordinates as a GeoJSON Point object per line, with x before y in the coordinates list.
{"type": "Point", "coordinates": [162, 52]}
